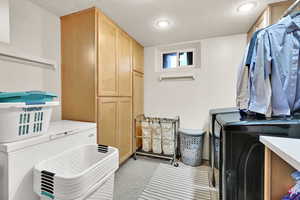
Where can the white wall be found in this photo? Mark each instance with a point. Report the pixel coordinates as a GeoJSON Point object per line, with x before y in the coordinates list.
{"type": "Point", "coordinates": [214, 86]}
{"type": "Point", "coordinates": [4, 21]}
{"type": "Point", "coordinates": [34, 32]}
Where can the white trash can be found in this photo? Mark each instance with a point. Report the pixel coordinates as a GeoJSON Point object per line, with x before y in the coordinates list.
{"type": "Point", "coordinates": [191, 146]}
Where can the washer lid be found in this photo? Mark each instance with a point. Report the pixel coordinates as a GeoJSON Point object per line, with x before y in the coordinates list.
{"type": "Point", "coordinates": [57, 130]}
{"type": "Point", "coordinates": [63, 128]}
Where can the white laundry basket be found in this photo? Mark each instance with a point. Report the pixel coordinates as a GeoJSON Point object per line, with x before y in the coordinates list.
{"type": "Point", "coordinates": [77, 174]}
{"type": "Point", "coordinates": [105, 189]}
{"type": "Point", "coordinates": [19, 121]}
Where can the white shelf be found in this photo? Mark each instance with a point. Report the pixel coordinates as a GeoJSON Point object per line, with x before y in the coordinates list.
{"type": "Point", "coordinates": [285, 148]}
{"type": "Point", "coordinates": [30, 60]}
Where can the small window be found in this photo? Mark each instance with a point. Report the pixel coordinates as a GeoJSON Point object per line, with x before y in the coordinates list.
{"type": "Point", "coordinates": [186, 59]}
{"type": "Point", "coordinates": [169, 60]}
{"type": "Point", "coordinates": [178, 59]}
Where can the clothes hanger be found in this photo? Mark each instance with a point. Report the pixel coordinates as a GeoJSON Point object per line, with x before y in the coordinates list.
{"type": "Point", "coordinates": [295, 14]}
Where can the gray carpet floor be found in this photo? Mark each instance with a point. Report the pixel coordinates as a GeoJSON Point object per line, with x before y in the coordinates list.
{"type": "Point", "coordinates": [133, 176]}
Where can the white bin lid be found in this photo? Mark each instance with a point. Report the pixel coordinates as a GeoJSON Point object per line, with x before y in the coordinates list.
{"type": "Point", "coordinates": [56, 130]}
{"type": "Point", "coordinates": [196, 132]}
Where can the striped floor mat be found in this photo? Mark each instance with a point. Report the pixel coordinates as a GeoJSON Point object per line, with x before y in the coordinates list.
{"type": "Point", "coordinates": [182, 183]}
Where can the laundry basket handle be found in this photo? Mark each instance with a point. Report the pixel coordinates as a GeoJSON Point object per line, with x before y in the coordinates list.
{"type": "Point", "coordinates": [47, 184]}
{"type": "Point", "coordinates": [102, 148]}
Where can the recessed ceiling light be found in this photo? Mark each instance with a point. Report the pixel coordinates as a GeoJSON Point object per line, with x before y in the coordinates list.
{"type": "Point", "coordinates": [162, 24]}
{"type": "Point", "coordinates": [246, 7]}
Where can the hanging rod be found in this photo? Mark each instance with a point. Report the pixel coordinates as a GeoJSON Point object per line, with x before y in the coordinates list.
{"type": "Point", "coordinates": [291, 8]}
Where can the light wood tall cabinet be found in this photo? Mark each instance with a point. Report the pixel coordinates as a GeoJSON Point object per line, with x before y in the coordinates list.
{"type": "Point", "coordinates": [97, 71]}
{"type": "Point", "coordinates": [138, 104]}
{"type": "Point", "coordinates": [138, 89]}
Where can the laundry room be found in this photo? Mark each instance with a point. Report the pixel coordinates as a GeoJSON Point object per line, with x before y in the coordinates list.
{"type": "Point", "coordinates": [149, 100]}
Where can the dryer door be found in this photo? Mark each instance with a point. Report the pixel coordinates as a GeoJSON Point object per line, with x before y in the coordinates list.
{"type": "Point", "coordinates": [243, 167]}
{"type": "Point", "coordinates": [250, 175]}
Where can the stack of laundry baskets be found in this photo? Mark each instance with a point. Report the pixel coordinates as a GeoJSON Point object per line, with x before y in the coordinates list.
{"type": "Point", "coordinates": [24, 115]}
{"type": "Point", "coordinates": [83, 173]}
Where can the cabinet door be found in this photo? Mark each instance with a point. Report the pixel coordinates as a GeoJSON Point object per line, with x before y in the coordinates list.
{"type": "Point", "coordinates": [107, 121]}
{"type": "Point", "coordinates": [107, 58]}
{"type": "Point", "coordinates": [124, 64]}
{"type": "Point", "coordinates": [277, 10]}
{"type": "Point", "coordinates": [138, 103]}
{"type": "Point", "coordinates": [125, 128]}
{"type": "Point", "coordinates": [77, 72]}
{"type": "Point", "coordinates": [138, 57]}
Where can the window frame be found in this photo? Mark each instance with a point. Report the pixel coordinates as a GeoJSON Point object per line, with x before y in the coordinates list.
{"type": "Point", "coordinates": [178, 67]}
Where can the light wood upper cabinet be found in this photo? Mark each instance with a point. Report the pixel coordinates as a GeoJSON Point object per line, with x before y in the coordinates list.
{"type": "Point", "coordinates": [108, 121]}
{"type": "Point", "coordinates": [138, 57]}
{"type": "Point", "coordinates": [270, 15]}
{"type": "Point", "coordinates": [138, 103]}
{"type": "Point", "coordinates": [124, 64]}
{"type": "Point", "coordinates": [125, 128]}
{"type": "Point", "coordinates": [78, 72]}
{"type": "Point", "coordinates": [277, 10]}
{"type": "Point", "coordinates": [107, 57]}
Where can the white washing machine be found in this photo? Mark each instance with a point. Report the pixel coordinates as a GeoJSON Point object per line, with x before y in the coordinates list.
{"type": "Point", "coordinates": [17, 159]}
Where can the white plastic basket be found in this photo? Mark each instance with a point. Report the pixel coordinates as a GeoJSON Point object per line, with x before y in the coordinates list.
{"type": "Point", "coordinates": [19, 121]}
{"type": "Point", "coordinates": [72, 174]}
{"type": "Point", "coordinates": [105, 191]}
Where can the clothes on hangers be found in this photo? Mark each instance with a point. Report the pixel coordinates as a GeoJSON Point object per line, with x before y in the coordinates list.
{"type": "Point", "coordinates": [274, 73]}
{"type": "Point", "coordinates": [242, 96]}
{"type": "Point", "coordinates": [294, 192]}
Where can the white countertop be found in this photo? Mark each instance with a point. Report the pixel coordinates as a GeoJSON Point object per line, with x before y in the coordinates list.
{"type": "Point", "coordinates": [286, 148]}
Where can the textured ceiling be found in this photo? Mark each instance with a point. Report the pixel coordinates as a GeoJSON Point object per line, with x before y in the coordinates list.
{"type": "Point", "coordinates": [191, 19]}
